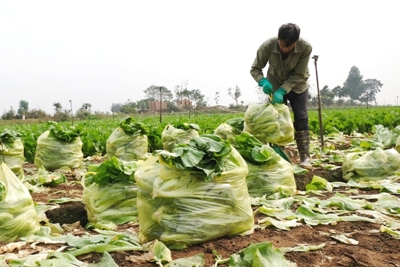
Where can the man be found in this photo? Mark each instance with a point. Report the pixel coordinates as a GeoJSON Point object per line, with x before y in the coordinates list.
{"type": "Point", "coordinates": [288, 56]}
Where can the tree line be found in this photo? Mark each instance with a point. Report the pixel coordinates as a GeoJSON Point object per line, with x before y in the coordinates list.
{"type": "Point", "coordinates": [193, 99]}
{"type": "Point", "coordinates": [355, 90]}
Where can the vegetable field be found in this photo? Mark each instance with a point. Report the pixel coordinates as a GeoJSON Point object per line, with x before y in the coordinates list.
{"type": "Point", "coordinates": [112, 212]}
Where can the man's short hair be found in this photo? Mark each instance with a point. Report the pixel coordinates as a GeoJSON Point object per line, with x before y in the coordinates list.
{"type": "Point", "coordinates": [289, 33]}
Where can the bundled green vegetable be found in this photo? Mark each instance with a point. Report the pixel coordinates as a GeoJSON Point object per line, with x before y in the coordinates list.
{"type": "Point", "coordinates": [18, 217]}
{"type": "Point", "coordinates": [269, 123]}
{"type": "Point", "coordinates": [371, 165]}
{"type": "Point", "coordinates": [12, 150]}
{"type": "Point", "coordinates": [181, 133]}
{"type": "Point", "coordinates": [59, 147]}
{"type": "Point", "coordinates": [110, 192]}
{"type": "Point", "coordinates": [128, 141]}
{"type": "Point", "coordinates": [268, 172]}
{"type": "Point", "coordinates": [193, 194]}
{"type": "Point", "coordinates": [230, 128]}
{"type": "Point", "coordinates": [385, 136]}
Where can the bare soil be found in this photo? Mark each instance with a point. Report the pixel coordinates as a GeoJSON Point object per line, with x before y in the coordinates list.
{"type": "Point", "coordinates": [375, 249]}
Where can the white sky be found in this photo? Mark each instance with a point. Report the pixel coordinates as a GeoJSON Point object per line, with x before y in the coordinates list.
{"type": "Point", "coordinates": [104, 52]}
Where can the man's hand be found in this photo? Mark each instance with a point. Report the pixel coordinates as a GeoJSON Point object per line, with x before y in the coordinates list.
{"type": "Point", "coordinates": [278, 96]}
{"type": "Point", "coordinates": [266, 86]}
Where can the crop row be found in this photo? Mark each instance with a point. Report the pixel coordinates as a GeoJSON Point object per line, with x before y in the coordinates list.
{"type": "Point", "coordinates": [94, 133]}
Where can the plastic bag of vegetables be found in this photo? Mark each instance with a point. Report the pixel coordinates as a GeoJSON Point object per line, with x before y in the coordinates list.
{"type": "Point", "coordinates": [110, 192]}
{"type": "Point", "coordinates": [229, 129]}
{"type": "Point", "coordinates": [180, 133]}
{"type": "Point", "coordinates": [18, 217]}
{"type": "Point", "coordinates": [59, 147]}
{"type": "Point", "coordinates": [128, 141]}
{"type": "Point", "coordinates": [193, 194]}
{"type": "Point", "coordinates": [385, 136]}
{"type": "Point", "coordinates": [372, 165]}
{"type": "Point", "coordinates": [12, 151]}
{"type": "Point", "coordinates": [268, 172]}
{"type": "Point", "coordinates": [269, 123]}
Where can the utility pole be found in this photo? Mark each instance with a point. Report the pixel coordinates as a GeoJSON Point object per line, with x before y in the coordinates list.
{"type": "Point", "coordinates": [160, 104]}
{"type": "Point", "coordinates": [321, 131]}
{"type": "Point", "coordinates": [72, 114]}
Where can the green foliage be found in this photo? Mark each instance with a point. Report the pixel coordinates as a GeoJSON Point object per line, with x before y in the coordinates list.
{"type": "Point", "coordinates": [94, 133]}
{"type": "Point", "coordinates": [203, 153]}
{"type": "Point", "coordinates": [63, 133]}
{"type": "Point", "coordinates": [131, 126]}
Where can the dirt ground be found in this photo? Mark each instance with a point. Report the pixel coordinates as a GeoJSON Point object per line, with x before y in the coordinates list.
{"type": "Point", "coordinates": [375, 249]}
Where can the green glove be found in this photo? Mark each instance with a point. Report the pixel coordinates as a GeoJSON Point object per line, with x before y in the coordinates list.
{"type": "Point", "coordinates": [278, 96]}
{"type": "Point", "coordinates": [266, 86]}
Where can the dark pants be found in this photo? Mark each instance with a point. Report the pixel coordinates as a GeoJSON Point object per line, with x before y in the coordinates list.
{"type": "Point", "coordinates": [298, 102]}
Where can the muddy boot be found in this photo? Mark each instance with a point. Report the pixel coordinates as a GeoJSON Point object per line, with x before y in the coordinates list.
{"type": "Point", "coordinates": [303, 145]}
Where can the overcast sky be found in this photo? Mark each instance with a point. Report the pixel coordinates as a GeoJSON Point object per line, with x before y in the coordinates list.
{"type": "Point", "coordinates": [104, 52]}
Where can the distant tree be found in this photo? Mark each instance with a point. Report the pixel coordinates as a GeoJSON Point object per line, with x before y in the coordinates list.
{"type": "Point", "coordinates": [372, 87]}
{"type": "Point", "coordinates": [326, 96]}
{"type": "Point", "coordinates": [354, 85]}
{"type": "Point", "coordinates": [153, 93]}
{"type": "Point", "coordinates": [340, 102]}
{"type": "Point", "coordinates": [181, 91]}
{"type": "Point", "coordinates": [116, 107]}
{"type": "Point", "coordinates": [84, 111]}
{"type": "Point", "coordinates": [86, 106]}
{"type": "Point", "coordinates": [57, 107]}
{"type": "Point", "coordinates": [216, 98]}
{"type": "Point", "coordinates": [338, 92]}
{"type": "Point", "coordinates": [36, 114]}
{"type": "Point", "coordinates": [129, 107]}
{"type": "Point", "coordinates": [197, 97]}
{"type": "Point", "coordinates": [23, 108]}
{"type": "Point", "coordinates": [9, 115]}
{"type": "Point", "coordinates": [142, 104]}
{"type": "Point", "coordinates": [314, 101]}
{"type": "Point", "coordinates": [235, 93]}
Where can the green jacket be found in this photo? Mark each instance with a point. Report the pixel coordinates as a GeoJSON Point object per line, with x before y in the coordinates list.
{"type": "Point", "coordinates": [291, 74]}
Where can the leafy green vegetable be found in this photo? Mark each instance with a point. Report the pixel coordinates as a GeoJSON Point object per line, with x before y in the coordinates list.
{"type": "Point", "coordinates": [113, 170]}
{"type": "Point", "coordinates": [8, 137]}
{"type": "Point", "coordinates": [131, 127]}
{"type": "Point", "coordinates": [179, 207]}
{"type": "Point", "coordinates": [237, 124]}
{"type": "Point", "coordinates": [181, 133]}
{"type": "Point", "coordinates": [193, 261]}
{"type": "Point", "coordinates": [269, 123]}
{"type": "Point", "coordinates": [268, 172]}
{"type": "Point", "coordinates": [111, 178]}
{"type": "Point", "coordinates": [260, 255]}
{"type": "Point", "coordinates": [63, 133]}
{"type": "Point", "coordinates": [18, 216]}
{"type": "Point", "coordinates": [12, 150]}
{"type": "Point", "coordinates": [372, 165]}
{"type": "Point", "coordinates": [319, 183]}
{"type": "Point", "coordinates": [161, 253]}
{"type": "Point", "coordinates": [128, 141]}
{"type": "Point", "coordinates": [106, 241]}
{"type": "Point", "coordinates": [2, 190]}
{"type": "Point", "coordinates": [203, 153]}
{"type": "Point", "coordinates": [58, 147]}
{"type": "Point", "coordinates": [43, 177]}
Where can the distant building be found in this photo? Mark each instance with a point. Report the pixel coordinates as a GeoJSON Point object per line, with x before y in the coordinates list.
{"type": "Point", "coordinates": [155, 105]}
{"type": "Point", "coordinates": [184, 103]}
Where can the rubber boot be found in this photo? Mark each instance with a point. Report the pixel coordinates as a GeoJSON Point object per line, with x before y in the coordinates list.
{"type": "Point", "coordinates": [303, 145]}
